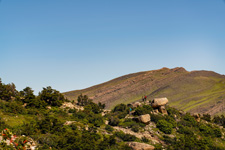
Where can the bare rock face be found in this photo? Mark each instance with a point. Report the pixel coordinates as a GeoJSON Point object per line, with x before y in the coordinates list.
{"type": "Point", "coordinates": [144, 118]}
{"type": "Point", "coordinates": [140, 146]}
{"type": "Point", "coordinates": [162, 109]}
{"type": "Point", "coordinates": [157, 102]}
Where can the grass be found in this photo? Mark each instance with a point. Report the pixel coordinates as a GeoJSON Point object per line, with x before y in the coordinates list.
{"type": "Point", "coordinates": [15, 120]}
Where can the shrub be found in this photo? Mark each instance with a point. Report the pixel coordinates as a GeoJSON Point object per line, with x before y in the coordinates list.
{"type": "Point", "coordinates": [217, 132]}
{"type": "Point", "coordinates": [189, 120]}
{"type": "Point", "coordinates": [206, 130]}
{"type": "Point", "coordinates": [164, 126]}
{"type": "Point", "coordinates": [135, 128]}
{"type": "Point", "coordinates": [206, 117]}
{"type": "Point", "coordinates": [72, 110]}
{"type": "Point", "coordinates": [156, 117]}
{"type": "Point", "coordinates": [125, 137]}
{"type": "Point", "coordinates": [109, 128]}
{"type": "Point", "coordinates": [146, 109]}
{"type": "Point", "coordinates": [114, 121]}
{"type": "Point", "coordinates": [120, 107]}
{"type": "Point", "coordinates": [185, 130]}
{"type": "Point", "coordinates": [144, 139]}
{"type": "Point", "coordinates": [172, 111]}
{"type": "Point", "coordinates": [171, 120]}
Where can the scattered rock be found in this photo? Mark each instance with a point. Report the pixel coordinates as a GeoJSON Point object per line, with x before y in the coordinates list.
{"type": "Point", "coordinates": [136, 104]}
{"type": "Point", "coordinates": [140, 146]}
{"type": "Point", "coordinates": [197, 117]}
{"type": "Point", "coordinates": [162, 109]}
{"type": "Point", "coordinates": [144, 118]}
{"type": "Point", "coordinates": [106, 122]}
{"type": "Point", "coordinates": [49, 107]}
{"type": "Point", "coordinates": [156, 111]}
{"type": "Point", "coordinates": [69, 122]}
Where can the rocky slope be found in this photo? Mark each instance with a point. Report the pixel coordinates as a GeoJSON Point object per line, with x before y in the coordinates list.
{"type": "Point", "coordinates": [195, 91]}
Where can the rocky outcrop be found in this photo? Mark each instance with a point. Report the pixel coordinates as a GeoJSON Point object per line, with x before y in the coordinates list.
{"type": "Point", "coordinates": [197, 117]}
{"type": "Point", "coordinates": [140, 146]}
{"type": "Point", "coordinates": [139, 135]}
{"type": "Point", "coordinates": [144, 118]}
{"type": "Point", "coordinates": [157, 102]}
{"type": "Point", "coordinates": [71, 106]}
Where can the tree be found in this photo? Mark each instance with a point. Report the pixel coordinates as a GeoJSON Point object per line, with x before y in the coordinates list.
{"type": "Point", "coordinates": [27, 94]}
{"type": "Point", "coordinates": [83, 100]}
{"type": "Point", "coordinates": [51, 96]}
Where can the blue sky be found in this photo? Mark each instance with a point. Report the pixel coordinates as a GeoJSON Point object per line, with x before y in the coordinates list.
{"type": "Point", "coordinates": [76, 44]}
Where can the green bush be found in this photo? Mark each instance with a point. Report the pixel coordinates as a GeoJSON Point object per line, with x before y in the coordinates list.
{"type": "Point", "coordinates": [164, 126]}
{"type": "Point", "coordinates": [114, 121]}
{"type": "Point", "coordinates": [206, 117]}
{"type": "Point", "coordinates": [135, 128]}
{"type": "Point", "coordinates": [188, 120]}
{"type": "Point", "coordinates": [217, 132]}
{"type": "Point", "coordinates": [72, 110]}
{"type": "Point", "coordinates": [185, 130]}
{"type": "Point", "coordinates": [171, 120]}
{"type": "Point", "coordinates": [144, 139]}
{"type": "Point", "coordinates": [120, 107]}
{"type": "Point", "coordinates": [145, 109]}
{"type": "Point", "coordinates": [109, 128]}
{"type": "Point", "coordinates": [125, 137]}
{"type": "Point", "coordinates": [206, 130]}
{"type": "Point", "coordinates": [156, 117]}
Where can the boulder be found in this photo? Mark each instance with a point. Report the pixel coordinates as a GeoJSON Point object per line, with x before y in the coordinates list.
{"type": "Point", "coordinates": [144, 118]}
{"type": "Point", "coordinates": [140, 146]}
{"type": "Point", "coordinates": [162, 109]}
{"type": "Point", "coordinates": [157, 102]}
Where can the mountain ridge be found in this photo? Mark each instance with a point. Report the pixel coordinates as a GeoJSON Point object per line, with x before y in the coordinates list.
{"type": "Point", "coordinates": [194, 91]}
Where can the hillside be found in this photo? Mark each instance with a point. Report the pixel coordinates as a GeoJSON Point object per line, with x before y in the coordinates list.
{"type": "Point", "coordinates": [195, 91]}
{"type": "Point", "coordinates": [49, 121]}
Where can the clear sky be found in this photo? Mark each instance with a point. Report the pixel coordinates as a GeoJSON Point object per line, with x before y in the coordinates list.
{"type": "Point", "coordinates": [74, 44]}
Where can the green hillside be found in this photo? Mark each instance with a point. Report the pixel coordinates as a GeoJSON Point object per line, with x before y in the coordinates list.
{"type": "Point", "coordinates": [196, 91]}
{"type": "Point", "coordinates": [50, 121]}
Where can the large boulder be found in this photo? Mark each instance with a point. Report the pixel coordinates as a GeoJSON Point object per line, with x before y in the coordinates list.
{"type": "Point", "coordinates": [145, 118]}
{"type": "Point", "coordinates": [140, 146]}
{"type": "Point", "coordinates": [157, 102]}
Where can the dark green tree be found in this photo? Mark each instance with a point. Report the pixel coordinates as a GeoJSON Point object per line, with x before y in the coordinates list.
{"type": "Point", "coordinates": [51, 96]}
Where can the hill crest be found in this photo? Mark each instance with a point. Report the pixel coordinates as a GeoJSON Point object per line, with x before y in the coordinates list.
{"type": "Point", "coordinates": [195, 91]}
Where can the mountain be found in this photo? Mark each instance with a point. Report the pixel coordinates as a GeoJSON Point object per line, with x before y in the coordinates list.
{"type": "Point", "coordinates": [195, 91]}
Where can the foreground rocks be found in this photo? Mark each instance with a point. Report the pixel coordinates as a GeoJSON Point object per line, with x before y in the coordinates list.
{"type": "Point", "coordinates": [140, 146]}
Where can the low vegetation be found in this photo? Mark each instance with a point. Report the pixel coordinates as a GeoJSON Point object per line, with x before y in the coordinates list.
{"type": "Point", "coordinates": [43, 119]}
